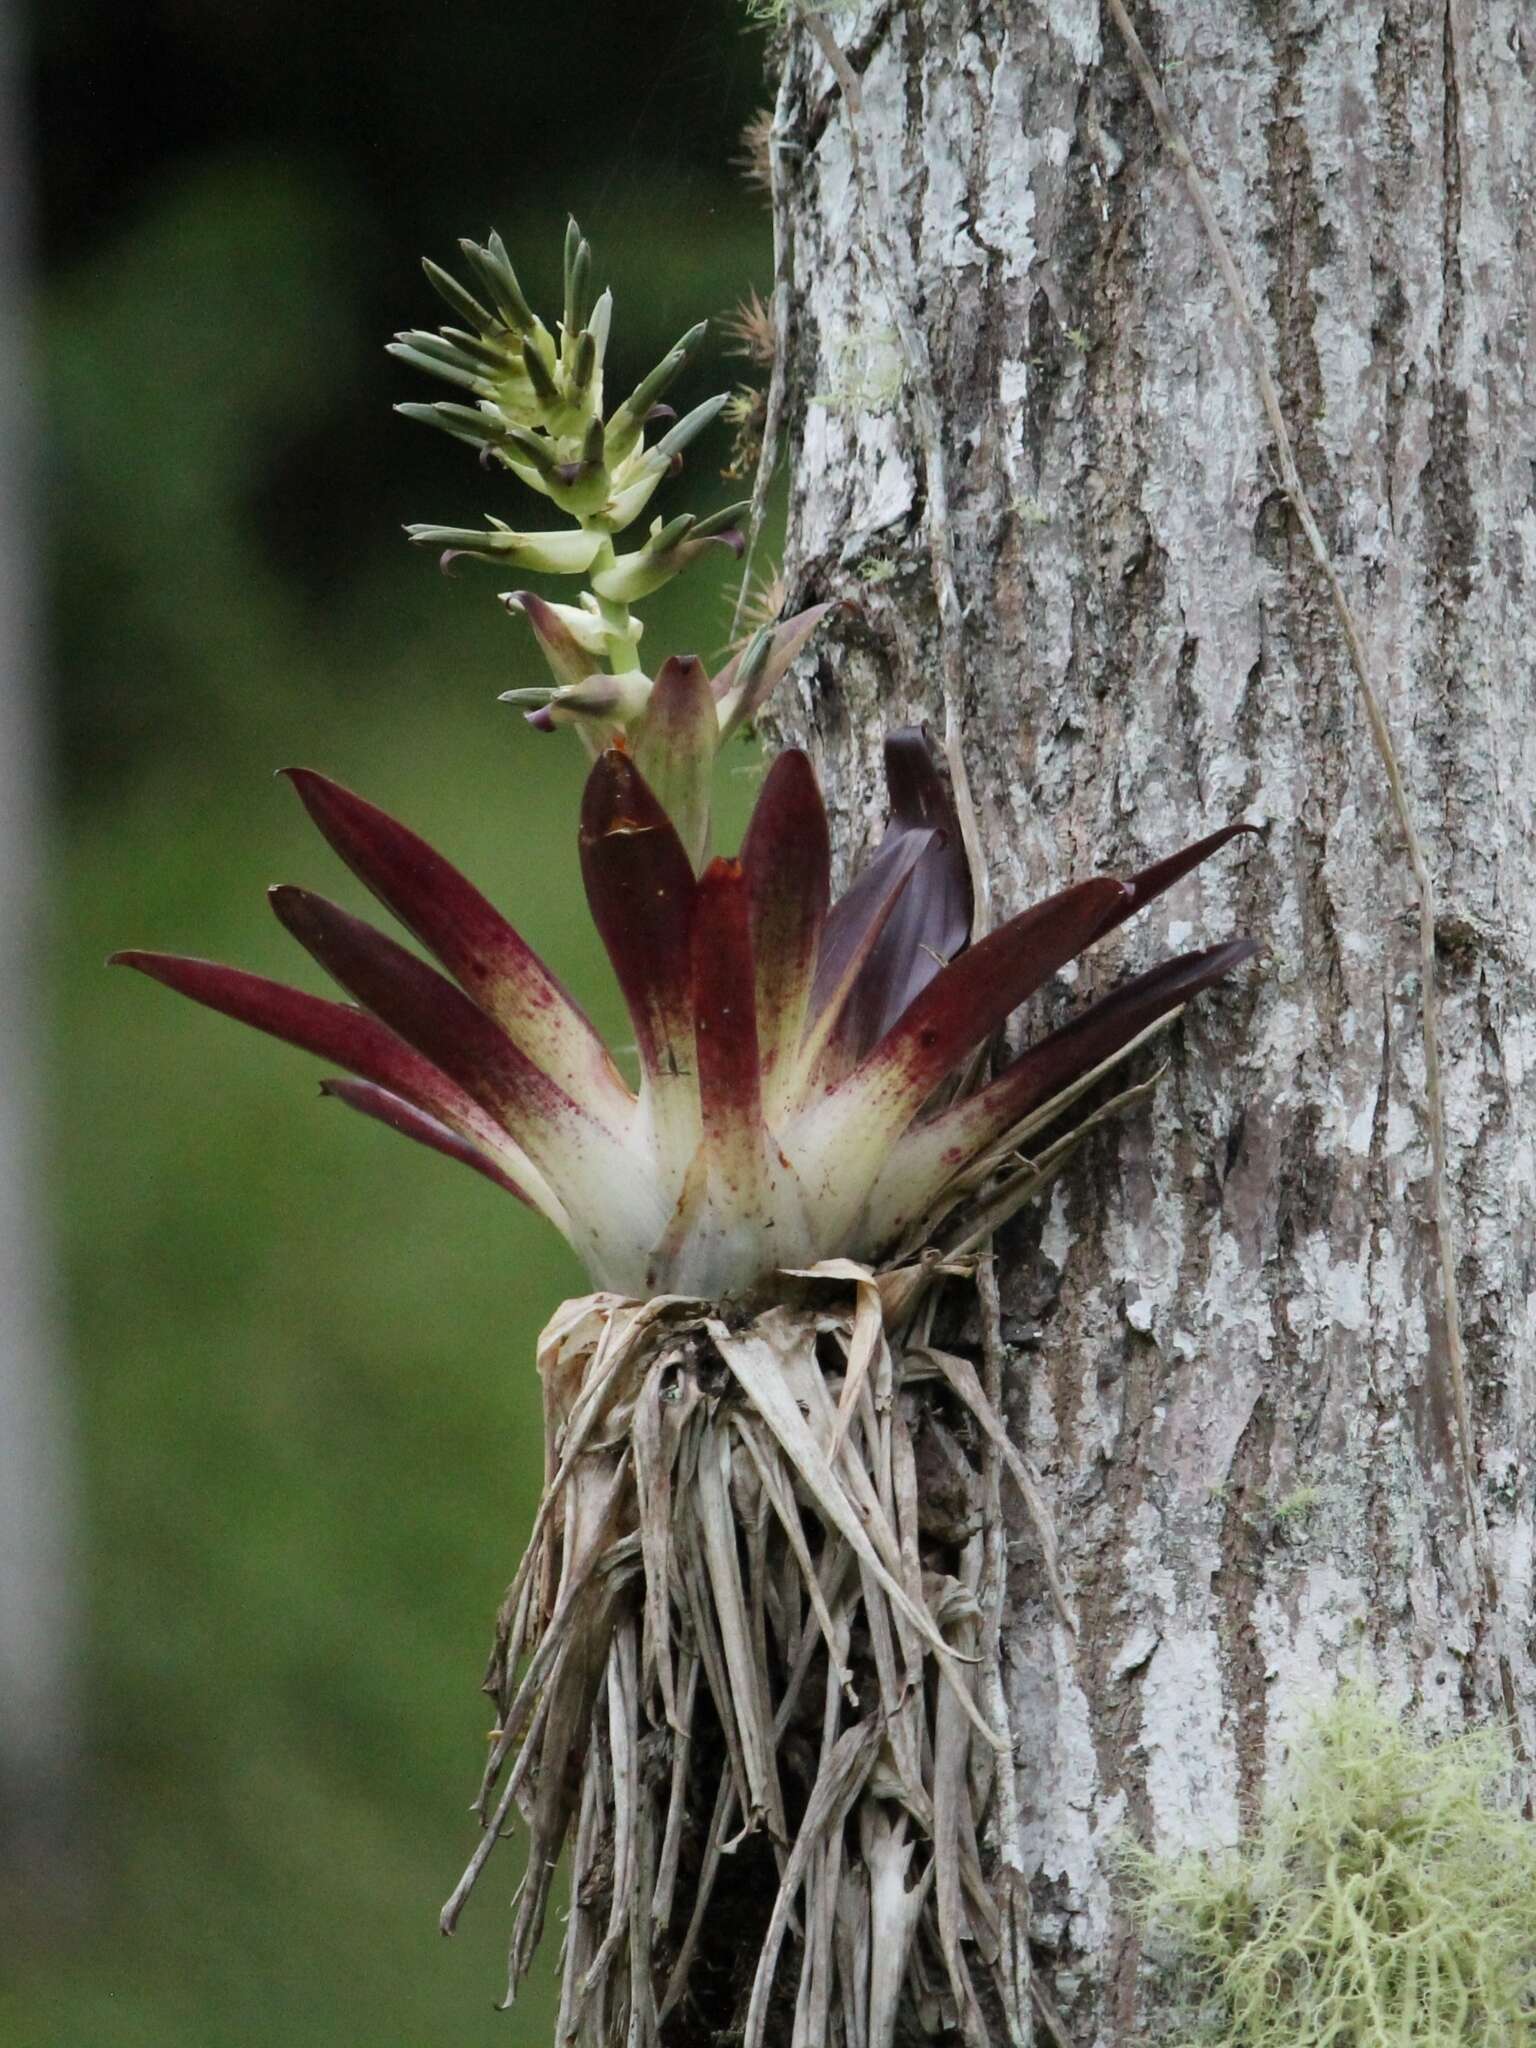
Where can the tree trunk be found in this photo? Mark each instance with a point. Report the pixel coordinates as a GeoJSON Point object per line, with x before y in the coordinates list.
{"type": "Point", "coordinates": [1226, 1336]}
{"type": "Point", "coordinates": [38, 1722]}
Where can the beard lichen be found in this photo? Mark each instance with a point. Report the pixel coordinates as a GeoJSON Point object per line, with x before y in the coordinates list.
{"type": "Point", "coordinates": [1387, 1899]}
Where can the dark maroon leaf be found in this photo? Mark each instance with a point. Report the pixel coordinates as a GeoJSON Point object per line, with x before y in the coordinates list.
{"type": "Point", "coordinates": [966, 1002]}
{"type": "Point", "coordinates": [1090, 1039]}
{"type": "Point", "coordinates": [725, 1010]}
{"type": "Point", "coordinates": [332, 1031]}
{"type": "Point", "coordinates": [931, 1153]}
{"type": "Point", "coordinates": [786, 858]}
{"type": "Point", "coordinates": [1152, 881]}
{"type": "Point", "coordinates": [399, 1115]}
{"type": "Point", "coordinates": [930, 920]}
{"type": "Point", "coordinates": [424, 1009]}
{"type": "Point", "coordinates": [845, 1138]}
{"type": "Point", "coordinates": [640, 888]}
{"type": "Point", "coordinates": [484, 953]}
{"type": "Point", "coordinates": [589, 1167]}
{"type": "Point", "coordinates": [853, 929]}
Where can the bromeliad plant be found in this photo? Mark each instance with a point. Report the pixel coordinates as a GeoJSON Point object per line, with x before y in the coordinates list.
{"type": "Point", "coordinates": [788, 1045]}
{"type": "Point", "coordinates": [740, 1649]}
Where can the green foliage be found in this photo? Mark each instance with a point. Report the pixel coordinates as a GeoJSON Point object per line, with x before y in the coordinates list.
{"type": "Point", "coordinates": [1387, 1900]}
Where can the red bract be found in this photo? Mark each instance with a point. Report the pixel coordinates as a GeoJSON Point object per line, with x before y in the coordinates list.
{"type": "Point", "coordinates": [791, 1048]}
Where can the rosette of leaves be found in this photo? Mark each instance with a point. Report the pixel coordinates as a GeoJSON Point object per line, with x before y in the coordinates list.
{"type": "Point", "coordinates": [538, 412]}
{"type": "Point", "coordinates": [792, 1049]}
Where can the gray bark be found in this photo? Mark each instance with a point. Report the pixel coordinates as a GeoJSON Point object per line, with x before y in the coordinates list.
{"type": "Point", "coordinates": [37, 1722]}
{"type": "Point", "coordinates": [1235, 1298]}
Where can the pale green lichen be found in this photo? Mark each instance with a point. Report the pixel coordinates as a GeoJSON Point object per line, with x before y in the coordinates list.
{"type": "Point", "coordinates": [1386, 1900]}
{"type": "Point", "coordinates": [1297, 1505]}
{"type": "Point", "coordinates": [868, 373]}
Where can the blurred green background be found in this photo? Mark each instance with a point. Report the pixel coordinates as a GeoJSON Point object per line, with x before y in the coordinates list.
{"type": "Point", "coordinates": [300, 1350]}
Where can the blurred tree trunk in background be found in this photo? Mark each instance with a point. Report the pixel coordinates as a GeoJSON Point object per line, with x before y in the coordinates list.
{"type": "Point", "coordinates": [1225, 1335]}
{"type": "Point", "coordinates": [37, 1719]}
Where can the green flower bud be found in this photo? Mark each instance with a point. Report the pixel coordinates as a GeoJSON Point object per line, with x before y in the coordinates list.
{"type": "Point", "coordinates": [628, 499]}
{"type": "Point", "coordinates": [496, 277]}
{"type": "Point", "coordinates": [570, 638]}
{"type": "Point", "coordinates": [583, 362]}
{"type": "Point", "coordinates": [478, 426]}
{"type": "Point", "coordinates": [556, 554]}
{"type": "Point", "coordinates": [598, 325]}
{"type": "Point", "coordinates": [540, 377]}
{"type": "Point", "coordinates": [612, 702]}
{"type": "Point", "coordinates": [454, 296]}
{"type": "Point", "coordinates": [669, 549]}
{"type": "Point", "coordinates": [628, 422]}
{"type": "Point", "coordinates": [451, 367]}
{"type": "Point", "coordinates": [688, 429]}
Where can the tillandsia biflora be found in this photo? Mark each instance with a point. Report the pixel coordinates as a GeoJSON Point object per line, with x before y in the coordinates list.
{"type": "Point", "coordinates": [738, 1658]}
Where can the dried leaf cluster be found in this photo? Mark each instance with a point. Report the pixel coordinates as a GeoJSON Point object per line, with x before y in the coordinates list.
{"type": "Point", "coordinates": [737, 1670]}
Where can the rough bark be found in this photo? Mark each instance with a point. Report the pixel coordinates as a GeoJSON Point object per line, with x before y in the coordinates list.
{"type": "Point", "coordinates": [1226, 1337]}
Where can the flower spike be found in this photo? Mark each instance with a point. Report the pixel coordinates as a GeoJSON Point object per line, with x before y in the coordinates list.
{"type": "Point", "coordinates": [537, 412]}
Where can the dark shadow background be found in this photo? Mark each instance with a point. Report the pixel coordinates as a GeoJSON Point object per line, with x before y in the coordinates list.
{"type": "Point", "coordinates": [301, 1351]}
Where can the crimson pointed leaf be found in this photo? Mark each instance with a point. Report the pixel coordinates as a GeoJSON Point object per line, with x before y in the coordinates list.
{"type": "Point", "coordinates": [640, 887]}
{"type": "Point", "coordinates": [852, 931]}
{"type": "Point", "coordinates": [930, 921]}
{"type": "Point", "coordinates": [479, 948]}
{"type": "Point", "coordinates": [786, 858]}
{"type": "Point", "coordinates": [331, 1031]}
{"type": "Point", "coordinates": [398, 1115]}
{"type": "Point", "coordinates": [1162, 874]}
{"type": "Point", "coordinates": [725, 1008]}
{"type": "Point", "coordinates": [931, 1154]}
{"type": "Point", "coordinates": [843, 1140]}
{"type": "Point", "coordinates": [741, 1210]}
{"type": "Point", "coordinates": [589, 1168]}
